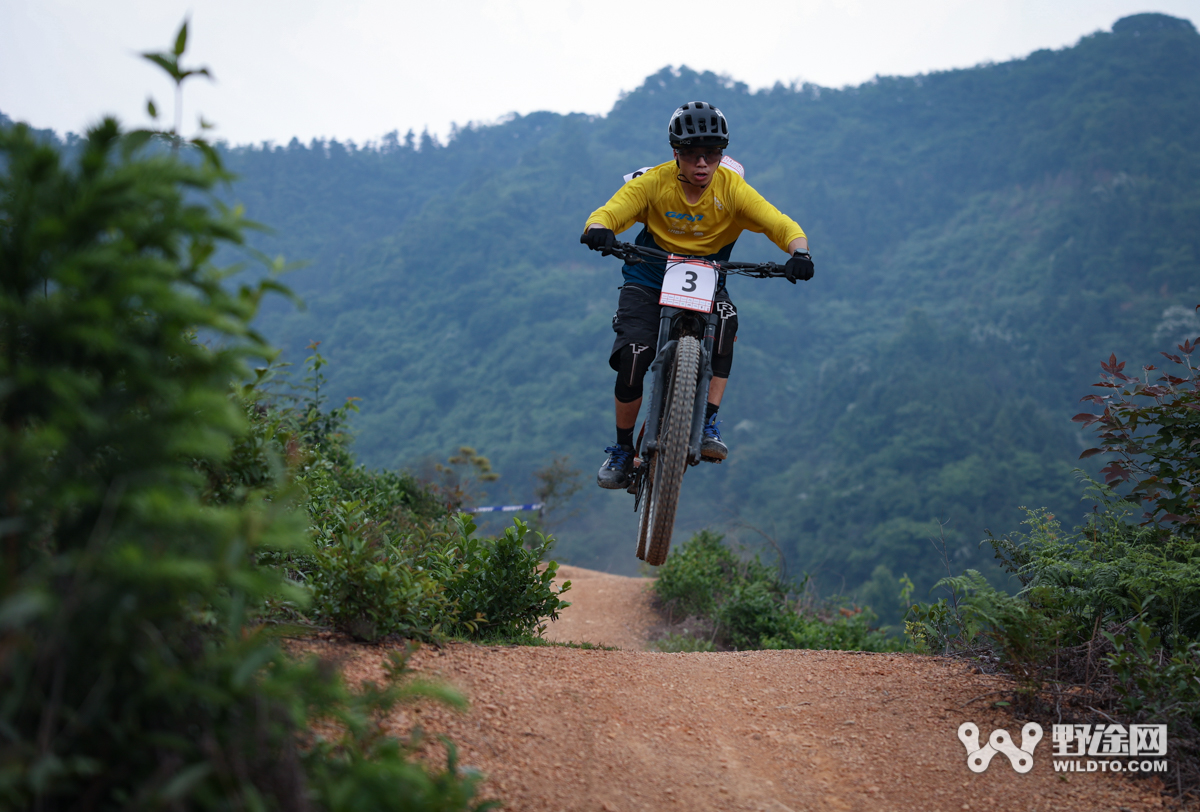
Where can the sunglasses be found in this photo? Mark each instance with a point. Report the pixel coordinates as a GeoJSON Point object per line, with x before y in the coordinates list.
{"type": "Point", "coordinates": [693, 155]}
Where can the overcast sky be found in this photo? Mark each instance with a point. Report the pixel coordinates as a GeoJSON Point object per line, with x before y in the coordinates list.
{"type": "Point", "coordinates": [356, 69]}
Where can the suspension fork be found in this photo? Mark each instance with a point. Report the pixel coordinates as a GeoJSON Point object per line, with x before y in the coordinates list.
{"type": "Point", "coordinates": [662, 362]}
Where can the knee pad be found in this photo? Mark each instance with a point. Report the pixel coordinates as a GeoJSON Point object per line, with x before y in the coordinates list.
{"type": "Point", "coordinates": [635, 360]}
{"type": "Point", "coordinates": [726, 328]}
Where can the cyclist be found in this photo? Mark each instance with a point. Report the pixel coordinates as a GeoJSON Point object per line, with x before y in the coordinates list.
{"type": "Point", "coordinates": [697, 205]}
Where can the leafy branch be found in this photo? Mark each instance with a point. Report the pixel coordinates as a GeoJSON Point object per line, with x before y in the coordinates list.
{"type": "Point", "coordinates": [169, 62]}
{"type": "Point", "coordinates": [1153, 428]}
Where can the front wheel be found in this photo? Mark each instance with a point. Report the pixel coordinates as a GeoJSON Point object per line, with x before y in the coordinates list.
{"type": "Point", "coordinates": [657, 521]}
{"type": "Point", "coordinates": [646, 488]}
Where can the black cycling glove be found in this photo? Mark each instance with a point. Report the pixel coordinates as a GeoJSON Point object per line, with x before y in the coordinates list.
{"type": "Point", "coordinates": [800, 266]}
{"type": "Point", "coordinates": [599, 239]}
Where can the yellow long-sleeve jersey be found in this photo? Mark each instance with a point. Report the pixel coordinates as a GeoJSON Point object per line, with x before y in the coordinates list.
{"type": "Point", "coordinates": [707, 228]}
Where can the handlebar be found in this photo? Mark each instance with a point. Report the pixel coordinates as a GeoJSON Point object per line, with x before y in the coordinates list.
{"type": "Point", "coordinates": [632, 253]}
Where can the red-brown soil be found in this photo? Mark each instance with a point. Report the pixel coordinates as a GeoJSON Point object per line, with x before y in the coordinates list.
{"type": "Point", "coordinates": [556, 729]}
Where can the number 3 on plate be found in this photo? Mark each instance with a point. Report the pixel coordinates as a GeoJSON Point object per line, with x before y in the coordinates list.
{"type": "Point", "coordinates": [689, 284]}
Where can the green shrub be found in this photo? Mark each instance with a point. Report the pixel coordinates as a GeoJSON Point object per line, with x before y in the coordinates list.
{"type": "Point", "coordinates": [386, 559]}
{"type": "Point", "coordinates": [748, 605]}
{"type": "Point", "coordinates": [501, 587]}
{"type": "Point", "coordinates": [367, 585]}
{"type": "Point", "coordinates": [132, 673]}
{"type": "Point", "coordinates": [846, 631]}
{"type": "Point", "coordinates": [752, 612]}
{"type": "Point", "coordinates": [370, 579]}
{"type": "Point", "coordinates": [1165, 688]}
{"type": "Point", "coordinates": [1109, 570]}
{"type": "Point", "coordinates": [1019, 632]}
{"type": "Point", "coordinates": [1103, 574]}
{"type": "Point", "coordinates": [697, 576]}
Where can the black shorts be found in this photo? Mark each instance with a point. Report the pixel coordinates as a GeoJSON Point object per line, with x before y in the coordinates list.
{"type": "Point", "coordinates": [636, 319]}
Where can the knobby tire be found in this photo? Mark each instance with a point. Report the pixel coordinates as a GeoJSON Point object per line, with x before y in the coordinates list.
{"type": "Point", "coordinates": [670, 460]}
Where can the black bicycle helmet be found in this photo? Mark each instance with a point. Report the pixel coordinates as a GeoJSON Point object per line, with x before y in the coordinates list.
{"type": "Point", "coordinates": [698, 124]}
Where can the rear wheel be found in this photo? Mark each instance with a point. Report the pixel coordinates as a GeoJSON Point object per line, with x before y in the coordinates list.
{"type": "Point", "coordinates": [670, 460]}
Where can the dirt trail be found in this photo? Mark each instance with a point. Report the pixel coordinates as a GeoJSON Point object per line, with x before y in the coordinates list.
{"type": "Point", "coordinates": [558, 729]}
{"type": "Point", "coordinates": [607, 610]}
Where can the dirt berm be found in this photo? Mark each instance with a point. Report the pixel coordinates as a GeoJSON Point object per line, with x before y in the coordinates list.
{"type": "Point", "coordinates": [557, 728]}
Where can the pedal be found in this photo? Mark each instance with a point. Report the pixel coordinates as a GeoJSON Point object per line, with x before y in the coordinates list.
{"type": "Point", "coordinates": [713, 460]}
{"type": "Point", "coordinates": [635, 477]}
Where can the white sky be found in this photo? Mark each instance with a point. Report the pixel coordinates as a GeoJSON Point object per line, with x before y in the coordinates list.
{"type": "Point", "coordinates": [356, 69]}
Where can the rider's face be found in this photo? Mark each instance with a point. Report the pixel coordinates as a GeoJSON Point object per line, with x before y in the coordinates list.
{"type": "Point", "coordinates": [697, 164]}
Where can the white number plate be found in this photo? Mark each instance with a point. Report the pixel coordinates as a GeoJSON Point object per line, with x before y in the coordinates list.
{"type": "Point", "coordinates": [689, 284]}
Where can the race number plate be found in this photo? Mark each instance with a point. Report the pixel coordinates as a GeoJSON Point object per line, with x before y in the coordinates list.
{"type": "Point", "coordinates": [689, 284]}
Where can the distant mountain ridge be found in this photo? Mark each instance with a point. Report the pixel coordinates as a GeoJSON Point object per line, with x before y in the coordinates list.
{"type": "Point", "coordinates": [982, 238]}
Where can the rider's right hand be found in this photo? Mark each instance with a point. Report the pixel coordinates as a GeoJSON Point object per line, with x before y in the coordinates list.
{"type": "Point", "coordinates": [599, 239]}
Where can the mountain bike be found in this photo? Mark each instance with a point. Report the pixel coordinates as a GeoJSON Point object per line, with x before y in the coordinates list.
{"type": "Point", "coordinates": [673, 428]}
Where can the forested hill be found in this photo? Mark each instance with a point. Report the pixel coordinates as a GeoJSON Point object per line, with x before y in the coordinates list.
{"type": "Point", "coordinates": [982, 237]}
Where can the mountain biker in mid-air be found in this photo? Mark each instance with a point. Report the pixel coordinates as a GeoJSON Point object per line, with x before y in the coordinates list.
{"type": "Point", "coordinates": [695, 205]}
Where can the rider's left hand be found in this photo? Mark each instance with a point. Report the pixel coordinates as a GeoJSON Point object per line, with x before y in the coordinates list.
{"type": "Point", "coordinates": [800, 266]}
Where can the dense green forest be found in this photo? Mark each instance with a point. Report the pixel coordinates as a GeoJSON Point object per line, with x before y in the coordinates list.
{"type": "Point", "coordinates": [983, 238]}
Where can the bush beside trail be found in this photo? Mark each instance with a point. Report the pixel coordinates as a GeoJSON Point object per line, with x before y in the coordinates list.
{"type": "Point", "coordinates": [725, 602]}
{"type": "Point", "coordinates": [158, 525]}
{"type": "Point", "coordinates": [1106, 626]}
{"type": "Point", "coordinates": [391, 556]}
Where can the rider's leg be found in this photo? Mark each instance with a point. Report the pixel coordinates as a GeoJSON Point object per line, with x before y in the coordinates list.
{"type": "Point", "coordinates": [626, 419]}
{"type": "Point", "coordinates": [632, 362]}
{"type": "Point", "coordinates": [723, 344]}
{"type": "Point", "coordinates": [722, 362]}
{"type": "Point", "coordinates": [716, 391]}
{"type": "Point", "coordinates": [711, 446]}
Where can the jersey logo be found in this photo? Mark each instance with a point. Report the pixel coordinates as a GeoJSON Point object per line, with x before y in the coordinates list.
{"type": "Point", "coordinates": [691, 218]}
